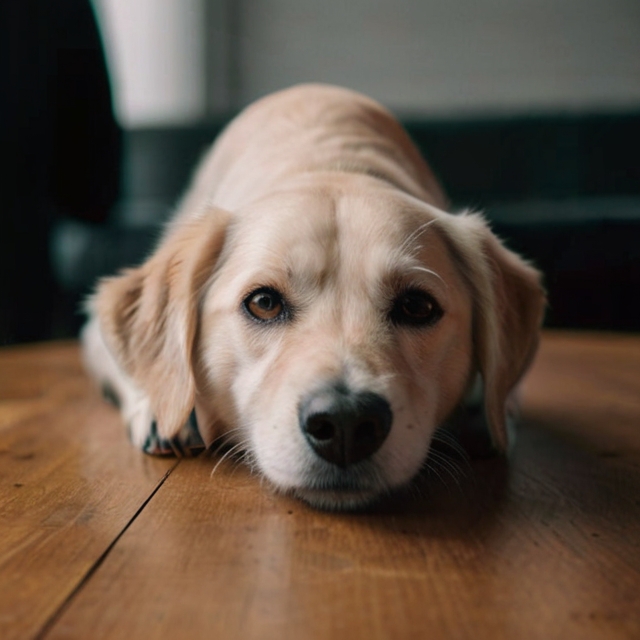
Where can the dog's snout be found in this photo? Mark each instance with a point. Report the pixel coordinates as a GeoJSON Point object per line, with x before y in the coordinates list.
{"type": "Point", "coordinates": [345, 427]}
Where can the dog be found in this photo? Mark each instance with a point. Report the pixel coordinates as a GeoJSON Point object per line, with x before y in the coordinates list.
{"type": "Point", "coordinates": [314, 303]}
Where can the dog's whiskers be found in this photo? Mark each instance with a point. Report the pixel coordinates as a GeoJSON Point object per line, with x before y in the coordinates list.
{"type": "Point", "coordinates": [437, 461]}
{"type": "Point", "coordinates": [450, 441]}
{"type": "Point", "coordinates": [434, 470]}
{"type": "Point", "coordinates": [225, 438]}
{"type": "Point", "coordinates": [226, 454]}
{"type": "Point", "coordinates": [415, 235]}
{"type": "Point", "coordinates": [447, 463]}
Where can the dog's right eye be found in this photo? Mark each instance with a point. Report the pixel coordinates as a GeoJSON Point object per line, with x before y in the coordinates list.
{"type": "Point", "coordinates": [265, 305]}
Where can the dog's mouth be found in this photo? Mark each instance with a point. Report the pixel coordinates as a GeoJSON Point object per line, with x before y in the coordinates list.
{"type": "Point", "coordinates": [343, 489]}
{"type": "Point", "coordinates": [337, 499]}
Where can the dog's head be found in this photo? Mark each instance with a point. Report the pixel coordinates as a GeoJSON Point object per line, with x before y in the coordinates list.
{"type": "Point", "coordinates": [330, 327]}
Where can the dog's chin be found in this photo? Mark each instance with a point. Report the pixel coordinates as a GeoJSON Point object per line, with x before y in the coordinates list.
{"type": "Point", "coordinates": [337, 499]}
{"type": "Point", "coordinates": [342, 490]}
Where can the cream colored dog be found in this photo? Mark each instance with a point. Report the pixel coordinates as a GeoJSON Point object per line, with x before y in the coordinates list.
{"type": "Point", "coordinates": [313, 302]}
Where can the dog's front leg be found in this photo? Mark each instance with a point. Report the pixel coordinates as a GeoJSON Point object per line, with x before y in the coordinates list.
{"type": "Point", "coordinates": [134, 405]}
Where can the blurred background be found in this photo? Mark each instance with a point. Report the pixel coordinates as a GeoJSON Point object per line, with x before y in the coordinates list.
{"type": "Point", "coordinates": [527, 109]}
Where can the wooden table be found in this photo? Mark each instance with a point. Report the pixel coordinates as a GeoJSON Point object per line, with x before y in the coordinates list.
{"type": "Point", "coordinates": [100, 541]}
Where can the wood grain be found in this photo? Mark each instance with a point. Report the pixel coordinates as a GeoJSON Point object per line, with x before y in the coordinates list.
{"type": "Point", "coordinates": [588, 388]}
{"type": "Point", "coordinates": [544, 545]}
{"type": "Point", "coordinates": [69, 483]}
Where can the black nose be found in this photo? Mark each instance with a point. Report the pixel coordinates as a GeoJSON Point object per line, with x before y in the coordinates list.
{"type": "Point", "coordinates": [345, 427]}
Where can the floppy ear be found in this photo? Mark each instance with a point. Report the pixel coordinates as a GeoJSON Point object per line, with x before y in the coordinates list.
{"type": "Point", "coordinates": [149, 315]}
{"type": "Point", "coordinates": [509, 307]}
{"type": "Point", "coordinates": [508, 331]}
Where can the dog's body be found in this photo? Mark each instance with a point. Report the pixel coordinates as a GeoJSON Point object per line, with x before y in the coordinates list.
{"type": "Point", "coordinates": [313, 302]}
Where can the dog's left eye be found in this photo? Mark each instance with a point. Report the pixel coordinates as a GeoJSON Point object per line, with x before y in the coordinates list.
{"type": "Point", "coordinates": [415, 307]}
{"type": "Point", "coordinates": [265, 305]}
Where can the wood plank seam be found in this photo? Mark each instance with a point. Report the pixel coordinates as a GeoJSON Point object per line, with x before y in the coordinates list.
{"type": "Point", "coordinates": [50, 623]}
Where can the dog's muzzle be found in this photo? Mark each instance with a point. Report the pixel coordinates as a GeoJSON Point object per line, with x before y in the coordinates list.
{"type": "Point", "coordinates": [345, 427]}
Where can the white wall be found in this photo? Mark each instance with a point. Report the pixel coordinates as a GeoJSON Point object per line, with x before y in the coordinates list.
{"type": "Point", "coordinates": [450, 56]}
{"type": "Point", "coordinates": [430, 57]}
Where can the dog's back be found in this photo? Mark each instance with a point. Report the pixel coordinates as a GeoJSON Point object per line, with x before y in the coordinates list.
{"type": "Point", "coordinates": [308, 128]}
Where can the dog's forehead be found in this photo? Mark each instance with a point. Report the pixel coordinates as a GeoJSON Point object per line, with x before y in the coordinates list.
{"type": "Point", "coordinates": [319, 228]}
{"type": "Point", "coordinates": [347, 243]}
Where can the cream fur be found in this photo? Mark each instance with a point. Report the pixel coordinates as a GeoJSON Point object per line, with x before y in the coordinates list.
{"type": "Point", "coordinates": [317, 192]}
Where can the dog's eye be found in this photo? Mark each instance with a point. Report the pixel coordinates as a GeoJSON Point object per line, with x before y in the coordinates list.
{"type": "Point", "coordinates": [415, 307]}
{"type": "Point", "coordinates": [265, 305]}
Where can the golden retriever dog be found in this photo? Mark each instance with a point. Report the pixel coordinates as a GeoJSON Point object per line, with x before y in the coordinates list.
{"type": "Point", "coordinates": [314, 303]}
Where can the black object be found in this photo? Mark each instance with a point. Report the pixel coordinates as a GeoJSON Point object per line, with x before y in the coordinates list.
{"type": "Point", "coordinates": [60, 149]}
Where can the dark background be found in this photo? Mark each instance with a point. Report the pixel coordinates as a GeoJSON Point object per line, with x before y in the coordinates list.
{"type": "Point", "coordinates": [564, 190]}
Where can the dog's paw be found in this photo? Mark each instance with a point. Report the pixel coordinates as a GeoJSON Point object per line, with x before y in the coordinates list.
{"type": "Point", "coordinates": [185, 444]}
